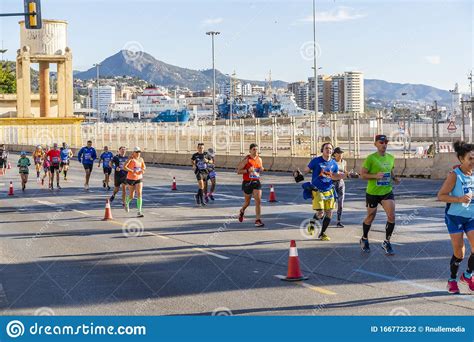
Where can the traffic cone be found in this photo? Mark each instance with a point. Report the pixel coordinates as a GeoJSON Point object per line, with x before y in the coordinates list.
{"type": "Point", "coordinates": [10, 192]}
{"type": "Point", "coordinates": [108, 211]}
{"type": "Point", "coordinates": [272, 195]}
{"type": "Point", "coordinates": [173, 186]}
{"type": "Point", "coordinates": [294, 271]}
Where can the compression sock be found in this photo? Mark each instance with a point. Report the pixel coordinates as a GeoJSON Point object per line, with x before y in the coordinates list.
{"type": "Point", "coordinates": [470, 266]}
{"type": "Point", "coordinates": [38, 174]}
{"type": "Point", "coordinates": [128, 200]}
{"type": "Point", "coordinates": [325, 225]}
{"type": "Point", "coordinates": [365, 230]}
{"type": "Point", "coordinates": [139, 204]}
{"type": "Point", "coordinates": [389, 228]}
{"type": "Point", "coordinates": [454, 266]}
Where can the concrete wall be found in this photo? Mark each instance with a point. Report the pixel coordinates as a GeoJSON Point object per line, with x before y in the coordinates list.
{"type": "Point", "coordinates": [434, 168]}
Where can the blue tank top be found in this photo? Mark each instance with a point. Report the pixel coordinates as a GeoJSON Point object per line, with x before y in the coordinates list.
{"type": "Point", "coordinates": [463, 184]}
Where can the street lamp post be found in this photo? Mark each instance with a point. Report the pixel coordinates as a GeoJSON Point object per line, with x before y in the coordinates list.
{"type": "Point", "coordinates": [212, 34]}
{"type": "Point", "coordinates": [97, 66]}
{"type": "Point", "coordinates": [315, 76]}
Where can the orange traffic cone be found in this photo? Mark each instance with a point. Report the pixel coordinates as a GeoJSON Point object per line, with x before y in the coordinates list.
{"type": "Point", "coordinates": [10, 192]}
{"type": "Point", "coordinates": [272, 195]}
{"type": "Point", "coordinates": [173, 186]}
{"type": "Point", "coordinates": [108, 211]}
{"type": "Point", "coordinates": [294, 271]}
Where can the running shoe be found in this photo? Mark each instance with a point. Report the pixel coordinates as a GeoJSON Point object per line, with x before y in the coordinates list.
{"type": "Point", "coordinates": [23, 187]}
{"type": "Point", "coordinates": [38, 180]}
{"type": "Point", "coordinates": [310, 228]}
{"type": "Point", "coordinates": [111, 199]}
{"type": "Point", "coordinates": [126, 207]}
{"type": "Point", "coordinates": [86, 187]}
{"type": "Point", "coordinates": [387, 247]}
{"type": "Point", "coordinates": [453, 287]}
{"type": "Point", "coordinates": [198, 201]}
{"type": "Point", "coordinates": [203, 204]}
{"type": "Point", "coordinates": [211, 197]}
{"type": "Point", "coordinates": [339, 225]}
{"type": "Point", "coordinates": [108, 188]}
{"type": "Point", "coordinates": [324, 237]}
{"type": "Point", "coordinates": [59, 187]}
{"type": "Point", "coordinates": [206, 199]}
{"type": "Point", "coordinates": [103, 184]}
{"type": "Point", "coordinates": [140, 214]}
{"type": "Point", "coordinates": [259, 223]}
{"type": "Point", "coordinates": [468, 281]}
{"type": "Point", "coordinates": [241, 215]}
{"type": "Point", "coordinates": [364, 245]}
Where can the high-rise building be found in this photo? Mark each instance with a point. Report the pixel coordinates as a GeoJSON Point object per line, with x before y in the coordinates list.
{"type": "Point", "coordinates": [247, 89]}
{"type": "Point", "coordinates": [300, 90]}
{"type": "Point", "coordinates": [337, 94]}
{"type": "Point", "coordinates": [354, 91]}
{"type": "Point", "coordinates": [106, 97]}
{"type": "Point", "coordinates": [324, 93]}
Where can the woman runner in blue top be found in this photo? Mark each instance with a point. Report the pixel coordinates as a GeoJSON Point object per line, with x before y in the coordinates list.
{"type": "Point", "coordinates": [457, 191]}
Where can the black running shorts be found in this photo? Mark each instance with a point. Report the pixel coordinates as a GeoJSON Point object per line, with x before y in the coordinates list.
{"type": "Point", "coordinates": [372, 201]}
{"type": "Point", "coordinates": [249, 186]}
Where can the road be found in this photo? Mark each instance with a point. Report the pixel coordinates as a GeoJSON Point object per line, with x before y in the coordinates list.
{"type": "Point", "coordinates": [58, 257]}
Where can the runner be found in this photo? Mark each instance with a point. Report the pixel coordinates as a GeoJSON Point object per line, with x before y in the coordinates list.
{"type": "Point", "coordinates": [46, 167]}
{"type": "Point", "coordinates": [211, 168]}
{"type": "Point", "coordinates": [86, 156]}
{"type": "Point", "coordinates": [250, 168]}
{"type": "Point", "coordinates": [135, 167]}
{"type": "Point", "coordinates": [120, 174]}
{"type": "Point", "coordinates": [324, 171]}
{"type": "Point", "coordinates": [106, 158]}
{"type": "Point", "coordinates": [66, 155]}
{"type": "Point", "coordinates": [339, 185]}
{"type": "Point", "coordinates": [23, 164]}
{"type": "Point", "coordinates": [378, 170]}
{"type": "Point", "coordinates": [457, 191]}
{"type": "Point", "coordinates": [54, 156]}
{"type": "Point", "coordinates": [200, 161]}
{"type": "Point", "coordinates": [3, 158]}
{"type": "Point", "coordinates": [38, 158]}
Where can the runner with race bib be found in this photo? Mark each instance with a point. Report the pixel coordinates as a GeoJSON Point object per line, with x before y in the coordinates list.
{"type": "Point", "coordinates": [54, 157]}
{"type": "Point", "coordinates": [105, 160]}
{"type": "Point", "coordinates": [86, 156]}
{"type": "Point", "coordinates": [23, 167]}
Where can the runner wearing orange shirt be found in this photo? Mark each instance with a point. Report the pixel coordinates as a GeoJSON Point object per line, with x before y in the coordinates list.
{"type": "Point", "coordinates": [135, 167]}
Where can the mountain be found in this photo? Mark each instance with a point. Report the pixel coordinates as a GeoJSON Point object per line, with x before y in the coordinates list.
{"type": "Point", "coordinates": [383, 90]}
{"type": "Point", "coordinates": [148, 68]}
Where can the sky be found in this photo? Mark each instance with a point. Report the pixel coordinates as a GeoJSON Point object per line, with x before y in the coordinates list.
{"type": "Point", "coordinates": [419, 42]}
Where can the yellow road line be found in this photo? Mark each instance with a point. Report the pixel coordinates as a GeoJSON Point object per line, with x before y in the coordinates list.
{"type": "Point", "coordinates": [310, 287]}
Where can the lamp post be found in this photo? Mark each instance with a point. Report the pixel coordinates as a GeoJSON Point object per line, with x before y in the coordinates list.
{"type": "Point", "coordinates": [315, 67]}
{"type": "Point", "coordinates": [97, 66]}
{"type": "Point", "coordinates": [212, 34]}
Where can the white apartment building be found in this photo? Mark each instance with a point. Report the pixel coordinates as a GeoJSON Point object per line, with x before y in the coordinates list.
{"type": "Point", "coordinates": [106, 97]}
{"type": "Point", "coordinates": [354, 91]}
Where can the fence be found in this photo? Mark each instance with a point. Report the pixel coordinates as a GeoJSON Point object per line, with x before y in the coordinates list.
{"type": "Point", "coordinates": [277, 137]}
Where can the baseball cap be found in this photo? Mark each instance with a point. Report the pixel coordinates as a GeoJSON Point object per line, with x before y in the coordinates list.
{"type": "Point", "coordinates": [23, 153]}
{"type": "Point", "coordinates": [338, 150]}
{"type": "Point", "coordinates": [137, 149]}
{"type": "Point", "coordinates": [381, 137]}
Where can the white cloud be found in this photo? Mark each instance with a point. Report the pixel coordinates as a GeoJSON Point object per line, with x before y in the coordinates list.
{"type": "Point", "coordinates": [212, 21]}
{"type": "Point", "coordinates": [433, 59]}
{"type": "Point", "coordinates": [338, 14]}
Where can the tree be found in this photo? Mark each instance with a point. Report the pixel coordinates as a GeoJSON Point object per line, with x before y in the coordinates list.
{"type": "Point", "coordinates": [7, 79]}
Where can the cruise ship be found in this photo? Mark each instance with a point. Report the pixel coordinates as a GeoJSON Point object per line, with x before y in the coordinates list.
{"type": "Point", "coordinates": [155, 104]}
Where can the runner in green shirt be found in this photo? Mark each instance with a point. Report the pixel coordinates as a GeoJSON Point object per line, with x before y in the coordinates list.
{"type": "Point", "coordinates": [23, 164]}
{"type": "Point", "coordinates": [378, 170]}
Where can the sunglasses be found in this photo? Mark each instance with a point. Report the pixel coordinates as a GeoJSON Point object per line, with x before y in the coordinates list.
{"type": "Point", "coordinates": [383, 142]}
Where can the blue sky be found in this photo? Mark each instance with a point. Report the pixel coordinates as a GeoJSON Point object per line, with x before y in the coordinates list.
{"type": "Point", "coordinates": [429, 42]}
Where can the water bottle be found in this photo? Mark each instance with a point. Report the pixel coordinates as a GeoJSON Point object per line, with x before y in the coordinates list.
{"type": "Point", "coordinates": [466, 205]}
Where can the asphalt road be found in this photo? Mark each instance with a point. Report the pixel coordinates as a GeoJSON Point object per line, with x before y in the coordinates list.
{"type": "Point", "coordinates": [58, 257]}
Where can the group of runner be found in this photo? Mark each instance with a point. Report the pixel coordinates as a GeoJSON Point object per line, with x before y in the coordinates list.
{"type": "Point", "coordinates": [326, 188]}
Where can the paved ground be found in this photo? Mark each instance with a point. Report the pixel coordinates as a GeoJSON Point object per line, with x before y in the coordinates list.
{"type": "Point", "coordinates": [57, 256]}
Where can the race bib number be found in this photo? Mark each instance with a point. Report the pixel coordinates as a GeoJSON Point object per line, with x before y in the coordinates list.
{"type": "Point", "coordinates": [327, 195]}
{"type": "Point", "coordinates": [212, 174]}
{"type": "Point", "coordinates": [23, 168]}
{"type": "Point", "coordinates": [201, 165]}
{"type": "Point", "coordinates": [255, 174]}
{"type": "Point", "coordinates": [88, 156]}
{"type": "Point", "coordinates": [137, 169]}
{"type": "Point", "coordinates": [386, 180]}
{"type": "Point", "coordinates": [55, 160]}
{"type": "Point", "coordinates": [121, 164]}
{"type": "Point", "coordinates": [37, 159]}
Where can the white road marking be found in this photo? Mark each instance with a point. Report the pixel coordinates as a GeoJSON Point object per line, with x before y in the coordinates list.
{"type": "Point", "coordinates": [158, 235]}
{"type": "Point", "coordinates": [288, 225]}
{"type": "Point", "coordinates": [211, 253]}
{"type": "Point", "coordinates": [45, 202]}
{"type": "Point", "coordinates": [81, 212]}
{"type": "Point", "coordinates": [411, 283]}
